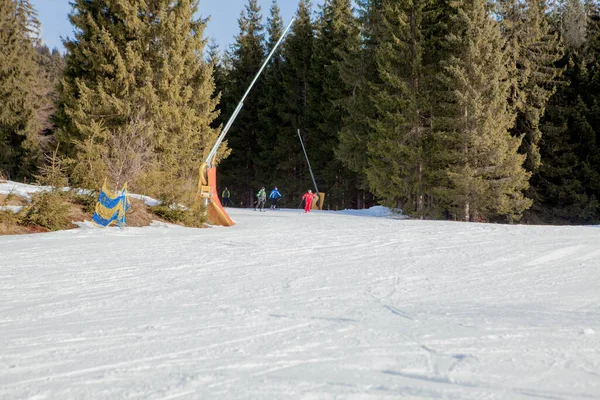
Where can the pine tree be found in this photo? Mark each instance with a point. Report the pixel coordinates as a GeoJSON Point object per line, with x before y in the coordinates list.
{"type": "Point", "coordinates": [137, 100]}
{"type": "Point", "coordinates": [105, 93]}
{"type": "Point", "coordinates": [295, 114]}
{"type": "Point", "coordinates": [567, 185]}
{"type": "Point", "coordinates": [271, 102]}
{"type": "Point", "coordinates": [51, 65]}
{"type": "Point", "coordinates": [337, 37]}
{"type": "Point", "coordinates": [398, 156]}
{"type": "Point", "coordinates": [533, 51]}
{"type": "Point", "coordinates": [387, 131]}
{"type": "Point", "coordinates": [486, 178]}
{"type": "Point", "coordinates": [19, 90]}
{"type": "Point", "coordinates": [247, 55]}
{"type": "Point", "coordinates": [359, 71]}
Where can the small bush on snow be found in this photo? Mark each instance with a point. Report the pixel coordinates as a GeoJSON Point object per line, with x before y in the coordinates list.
{"type": "Point", "coordinates": [48, 210]}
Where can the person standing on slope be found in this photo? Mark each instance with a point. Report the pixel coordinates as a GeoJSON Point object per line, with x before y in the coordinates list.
{"type": "Point", "coordinates": [261, 198]}
{"type": "Point", "coordinates": [274, 196]}
{"type": "Point", "coordinates": [225, 196]}
{"type": "Point", "coordinates": [308, 199]}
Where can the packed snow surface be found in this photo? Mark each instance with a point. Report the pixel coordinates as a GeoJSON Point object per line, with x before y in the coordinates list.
{"type": "Point", "coordinates": [291, 306]}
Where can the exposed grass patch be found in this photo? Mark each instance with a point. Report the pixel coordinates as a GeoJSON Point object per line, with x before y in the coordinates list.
{"type": "Point", "coordinates": [12, 200]}
{"type": "Point", "coordinates": [139, 214]}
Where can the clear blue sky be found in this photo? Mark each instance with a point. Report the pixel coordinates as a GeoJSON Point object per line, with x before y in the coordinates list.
{"type": "Point", "coordinates": [222, 25]}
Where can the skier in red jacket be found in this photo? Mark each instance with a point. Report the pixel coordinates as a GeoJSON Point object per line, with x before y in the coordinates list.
{"type": "Point", "coordinates": [308, 199]}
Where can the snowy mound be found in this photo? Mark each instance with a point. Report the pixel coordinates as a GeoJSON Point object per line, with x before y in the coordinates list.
{"type": "Point", "coordinates": [25, 190]}
{"type": "Point", "coordinates": [376, 211]}
{"type": "Point", "coordinates": [20, 189]}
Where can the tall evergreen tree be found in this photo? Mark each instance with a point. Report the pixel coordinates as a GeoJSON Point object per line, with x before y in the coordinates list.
{"type": "Point", "coordinates": [136, 102]}
{"type": "Point", "coordinates": [387, 132]}
{"type": "Point", "coordinates": [271, 103]}
{"type": "Point", "coordinates": [397, 146]}
{"type": "Point", "coordinates": [19, 90]}
{"type": "Point", "coordinates": [51, 64]}
{"type": "Point", "coordinates": [486, 178]}
{"type": "Point", "coordinates": [359, 72]}
{"type": "Point", "coordinates": [247, 55]}
{"type": "Point", "coordinates": [533, 50]}
{"type": "Point", "coordinates": [298, 84]}
{"type": "Point", "coordinates": [337, 37]}
{"type": "Point", "coordinates": [567, 185]}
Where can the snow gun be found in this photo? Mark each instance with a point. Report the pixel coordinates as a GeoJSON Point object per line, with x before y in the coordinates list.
{"type": "Point", "coordinates": [207, 183]}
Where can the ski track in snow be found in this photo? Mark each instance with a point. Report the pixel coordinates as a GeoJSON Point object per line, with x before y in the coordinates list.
{"type": "Point", "coordinates": [286, 305]}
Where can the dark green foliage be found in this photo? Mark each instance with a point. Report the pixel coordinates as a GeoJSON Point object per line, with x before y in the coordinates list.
{"type": "Point", "coordinates": [338, 37]}
{"type": "Point", "coordinates": [19, 90]}
{"type": "Point", "coordinates": [533, 49]}
{"type": "Point", "coordinates": [247, 55]}
{"type": "Point", "coordinates": [398, 163]}
{"type": "Point", "coordinates": [358, 70]}
{"type": "Point", "coordinates": [566, 189]}
{"type": "Point", "coordinates": [272, 103]}
{"type": "Point", "coordinates": [51, 65]}
{"type": "Point", "coordinates": [297, 86]}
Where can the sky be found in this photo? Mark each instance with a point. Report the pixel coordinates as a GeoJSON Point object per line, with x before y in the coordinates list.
{"type": "Point", "coordinates": [222, 26]}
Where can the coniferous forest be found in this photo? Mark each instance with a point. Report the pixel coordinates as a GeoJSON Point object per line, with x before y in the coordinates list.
{"type": "Point", "coordinates": [473, 110]}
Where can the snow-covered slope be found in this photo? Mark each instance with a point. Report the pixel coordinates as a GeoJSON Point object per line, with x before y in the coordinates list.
{"type": "Point", "coordinates": [291, 306]}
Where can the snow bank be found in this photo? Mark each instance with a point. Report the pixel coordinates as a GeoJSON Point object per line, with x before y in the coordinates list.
{"type": "Point", "coordinates": [376, 211]}
{"type": "Point", "coordinates": [25, 190]}
{"type": "Point", "coordinates": [20, 189]}
{"type": "Point", "coordinates": [14, 209]}
{"type": "Point", "coordinates": [149, 201]}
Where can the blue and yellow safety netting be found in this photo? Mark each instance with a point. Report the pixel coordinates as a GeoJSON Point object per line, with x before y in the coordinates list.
{"type": "Point", "coordinates": [111, 208]}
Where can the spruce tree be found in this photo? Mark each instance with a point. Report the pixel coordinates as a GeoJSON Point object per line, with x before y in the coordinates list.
{"type": "Point", "coordinates": [271, 102]}
{"type": "Point", "coordinates": [398, 156]}
{"type": "Point", "coordinates": [298, 86]}
{"type": "Point", "coordinates": [485, 173]}
{"type": "Point", "coordinates": [247, 55]}
{"type": "Point", "coordinates": [51, 65]}
{"type": "Point", "coordinates": [533, 50]}
{"type": "Point", "coordinates": [136, 103]}
{"type": "Point", "coordinates": [19, 90]}
{"type": "Point", "coordinates": [359, 72]}
{"type": "Point", "coordinates": [567, 185]}
{"type": "Point", "coordinates": [337, 37]}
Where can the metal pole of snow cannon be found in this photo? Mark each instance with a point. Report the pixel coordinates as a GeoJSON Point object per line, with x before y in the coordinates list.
{"type": "Point", "coordinates": [309, 167]}
{"type": "Point", "coordinates": [213, 151]}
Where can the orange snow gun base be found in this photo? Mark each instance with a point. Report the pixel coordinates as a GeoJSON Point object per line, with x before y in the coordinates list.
{"type": "Point", "coordinates": [207, 189]}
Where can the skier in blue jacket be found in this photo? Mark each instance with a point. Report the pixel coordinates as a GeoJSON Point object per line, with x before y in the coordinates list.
{"type": "Point", "coordinates": [274, 196]}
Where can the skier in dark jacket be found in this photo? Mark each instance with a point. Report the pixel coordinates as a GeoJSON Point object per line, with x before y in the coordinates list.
{"type": "Point", "coordinates": [274, 197]}
{"type": "Point", "coordinates": [226, 198]}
